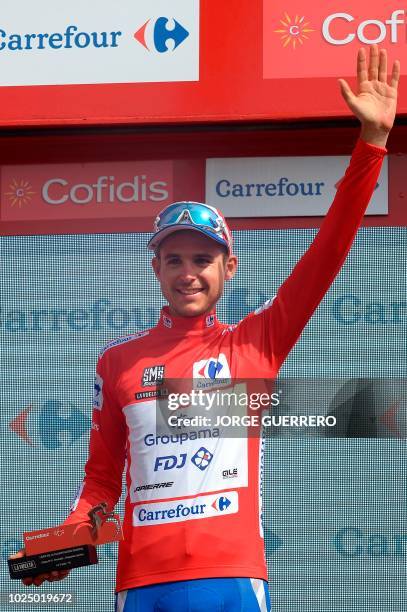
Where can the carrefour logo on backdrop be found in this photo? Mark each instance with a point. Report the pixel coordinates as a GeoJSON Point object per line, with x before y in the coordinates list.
{"type": "Point", "coordinates": [155, 34]}
{"type": "Point", "coordinates": [105, 42]}
{"type": "Point", "coordinates": [53, 424]}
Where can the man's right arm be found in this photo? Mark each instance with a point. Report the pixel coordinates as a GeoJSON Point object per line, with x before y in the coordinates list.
{"type": "Point", "coordinates": [104, 467]}
{"type": "Point", "coordinates": [107, 451]}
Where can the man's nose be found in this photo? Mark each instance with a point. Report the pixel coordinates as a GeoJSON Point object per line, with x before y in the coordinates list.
{"type": "Point", "coordinates": [187, 271]}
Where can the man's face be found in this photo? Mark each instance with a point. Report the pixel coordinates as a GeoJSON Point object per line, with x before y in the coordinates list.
{"type": "Point", "coordinates": [192, 270]}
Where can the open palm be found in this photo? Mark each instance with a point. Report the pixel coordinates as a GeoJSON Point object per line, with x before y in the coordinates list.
{"type": "Point", "coordinates": [376, 100]}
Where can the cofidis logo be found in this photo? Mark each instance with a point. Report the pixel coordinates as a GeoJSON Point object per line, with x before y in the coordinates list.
{"type": "Point", "coordinates": [94, 190]}
{"type": "Point", "coordinates": [103, 44]}
{"type": "Point", "coordinates": [322, 40]}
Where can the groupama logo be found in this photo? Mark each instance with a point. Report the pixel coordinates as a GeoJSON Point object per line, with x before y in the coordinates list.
{"type": "Point", "coordinates": [155, 34]}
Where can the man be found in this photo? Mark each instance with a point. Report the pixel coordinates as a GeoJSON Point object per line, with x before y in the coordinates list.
{"type": "Point", "coordinates": [193, 537]}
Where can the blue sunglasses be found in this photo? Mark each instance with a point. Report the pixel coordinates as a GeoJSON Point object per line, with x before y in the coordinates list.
{"type": "Point", "coordinates": [201, 217]}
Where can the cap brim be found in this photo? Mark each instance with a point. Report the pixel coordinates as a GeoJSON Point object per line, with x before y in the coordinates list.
{"type": "Point", "coordinates": [156, 240]}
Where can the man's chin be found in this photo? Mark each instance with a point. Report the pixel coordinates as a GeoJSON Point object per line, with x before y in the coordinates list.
{"type": "Point", "coordinates": [189, 310]}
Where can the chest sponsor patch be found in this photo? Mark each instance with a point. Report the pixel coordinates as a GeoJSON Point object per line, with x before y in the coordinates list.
{"type": "Point", "coordinates": [204, 506]}
{"type": "Point", "coordinates": [152, 376]}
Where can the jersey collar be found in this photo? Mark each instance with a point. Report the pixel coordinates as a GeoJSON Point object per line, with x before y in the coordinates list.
{"type": "Point", "coordinates": [200, 323]}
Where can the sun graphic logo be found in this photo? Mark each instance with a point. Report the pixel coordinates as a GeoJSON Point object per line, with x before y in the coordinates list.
{"type": "Point", "coordinates": [20, 192]}
{"type": "Point", "coordinates": [295, 31]}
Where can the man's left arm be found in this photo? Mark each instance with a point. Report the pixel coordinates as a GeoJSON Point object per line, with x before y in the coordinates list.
{"type": "Point", "coordinates": [299, 296]}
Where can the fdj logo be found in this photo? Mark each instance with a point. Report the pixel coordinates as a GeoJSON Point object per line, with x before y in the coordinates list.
{"type": "Point", "coordinates": [156, 34]}
{"type": "Point", "coordinates": [202, 458]}
{"type": "Point", "coordinates": [169, 462]}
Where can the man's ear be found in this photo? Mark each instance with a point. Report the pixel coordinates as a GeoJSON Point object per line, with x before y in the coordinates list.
{"type": "Point", "coordinates": [230, 267]}
{"type": "Point", "coordinates": [156, 263]}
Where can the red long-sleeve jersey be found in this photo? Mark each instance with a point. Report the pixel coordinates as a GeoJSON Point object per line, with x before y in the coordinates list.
{"type": "Point", "coordinates": [193, 504]}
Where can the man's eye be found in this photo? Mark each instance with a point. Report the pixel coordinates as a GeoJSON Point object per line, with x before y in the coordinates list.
{"type": "Point", "coordinates": [203, 260]}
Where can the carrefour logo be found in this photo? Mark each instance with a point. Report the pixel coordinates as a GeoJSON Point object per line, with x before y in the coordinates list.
{"type": "Point", "coordinates": [156, 34]}
{"type": "Point", "coordinates": [52, 425]}
{"type": "Point", "coordinates": [70, 38]}
{"type": "Point", "coordinates": [133, 42]}
{"type": "Point", "coordinates": [175, 511]}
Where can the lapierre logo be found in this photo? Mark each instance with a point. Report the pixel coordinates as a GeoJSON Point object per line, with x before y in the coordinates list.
{"type": "Point", "coordinates": [153, 375]}
{"type": "Point", "coordinates": [155, 34]}
{"type": "Point", "coordinates": [204, 506]}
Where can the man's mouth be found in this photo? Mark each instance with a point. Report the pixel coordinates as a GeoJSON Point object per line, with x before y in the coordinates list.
{"type": "Point", "coordinates": [190, 291]}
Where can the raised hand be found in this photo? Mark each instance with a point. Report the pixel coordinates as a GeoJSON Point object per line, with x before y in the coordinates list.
{"type": "Point", "coordinates": [375, 102]}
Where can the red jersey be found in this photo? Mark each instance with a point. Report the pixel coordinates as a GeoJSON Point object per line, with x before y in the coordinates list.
{"type": "Point", "coordinates": [193, 504]}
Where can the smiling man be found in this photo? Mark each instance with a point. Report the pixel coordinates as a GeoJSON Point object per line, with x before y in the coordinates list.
{"type": "Point", "coordinates": [193, 533]}
{"type": "Point", "coordinates": [192, 270]}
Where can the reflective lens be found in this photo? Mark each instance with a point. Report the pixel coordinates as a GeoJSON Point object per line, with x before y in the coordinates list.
{"type": "Point", "coordinates": [190, 214]}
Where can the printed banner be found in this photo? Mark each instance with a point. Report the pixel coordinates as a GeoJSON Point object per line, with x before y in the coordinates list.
{"type": "Point", "coordinates": [282, 186]}
{"type": "Point", "coordinates": [321, 40]}
{"type": "Point", "coordinates": [85, 191]}
{"type": "Point", "coordinates": [48, 43]}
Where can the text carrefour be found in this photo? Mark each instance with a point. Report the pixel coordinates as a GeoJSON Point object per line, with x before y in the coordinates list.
{"type": "Point", "coordinates": [71, 38]}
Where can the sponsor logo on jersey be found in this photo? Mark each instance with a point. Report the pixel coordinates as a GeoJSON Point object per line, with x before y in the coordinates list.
{"type": "Point", "coordinates": [167, 321]}
{"type": "Point", "coordinates": [204, 506]}
{"type": "Point", "coordinates": [232, 473]}
{"type": "Point", "coordinates": [155, 485]}
{"type": "Point", "coordinates": [122, 340]}
{"type": "Point", "coordinates": [202, 458]}
{"type": "Point", "coordinates": [214, 370]}
{"type": "Point", "coordinates": [221, 504]}
{"type": "Point", "coordinates": [148, 394]}
{"type": "Point", "coordinates": [152, 376]}
{"type": "Point", "coordinates": [169, 462]}
{"type": "Point", "coordinates": [98, 392]}
{"type": "Point", "coordinates": [210, 320]}
{"type": "Point", "coordinates": [153, 440]}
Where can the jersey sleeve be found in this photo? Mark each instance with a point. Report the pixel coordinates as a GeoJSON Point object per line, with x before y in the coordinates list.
{"type": "Point", "coordinates": [276, 327]}
{"type": "Point", "coordinates": [107, 451]}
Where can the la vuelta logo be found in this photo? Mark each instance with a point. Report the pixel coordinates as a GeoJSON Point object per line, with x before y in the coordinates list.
{"type": "Point", "coordinates": [155, 34]}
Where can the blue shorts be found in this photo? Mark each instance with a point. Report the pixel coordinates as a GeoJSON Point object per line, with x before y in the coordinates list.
{"type": "Point", "coordinates": [213, 594]}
